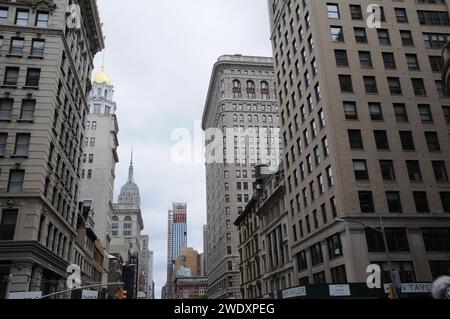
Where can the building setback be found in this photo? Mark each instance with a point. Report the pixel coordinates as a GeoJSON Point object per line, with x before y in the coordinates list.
{"type": "Point", "coordinates": [45, 67]}
{"type": "Point", "coordinates": [240, 110]}
{"type": "Point", "coordinates": [365, 137]}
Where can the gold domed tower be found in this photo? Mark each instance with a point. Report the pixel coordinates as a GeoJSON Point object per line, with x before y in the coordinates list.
{"type": "Point", "coordinates": [101, 78]}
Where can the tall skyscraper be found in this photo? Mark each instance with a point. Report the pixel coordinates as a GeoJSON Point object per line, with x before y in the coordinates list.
{"type": "Point", "coordinates": [144, 259]}
{"type": "Point", "coordinates": [369, 141]}
{"type": "Point", "coordinates": [176, 239]}
{"type": "Point", "coordinates": [46, 65]}
{"type": "Point", "coordinates": [99, 160]}
{"type": "Point", "coordinates": [127, 225]}
{"type": "Point", "coordinates": [240, 110]}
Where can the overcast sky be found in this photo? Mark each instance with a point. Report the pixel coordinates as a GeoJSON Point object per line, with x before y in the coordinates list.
{"type": "Point", "coordinates": [160, 55]}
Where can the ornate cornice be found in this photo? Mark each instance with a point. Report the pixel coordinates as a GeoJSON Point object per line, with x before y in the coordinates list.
{"type": "Point", "coordinates": [49, 5]}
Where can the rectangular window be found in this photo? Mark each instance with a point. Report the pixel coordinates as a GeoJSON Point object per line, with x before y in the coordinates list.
{"type": "Point", "coordinates": [436, 239]}
{"type": "Point", "coordinates": [355, 139]}
{"type": "Point", "coordinates": [37, 48]}
{"type": "Point", "coordinates": [11, 76]}
{"type": "Point", "coordinates": [394, 202]}
{"type": "Point", "coordinates": [414, 171]}
{"type": "Point", "coordinates": [366, 202]}
{"type": "Point", "coordinates": [387, 170]}
{"type": "Point", "coordinates": [6, 106]}
{"type": "Point", "coordinates": [421, 202]}
{"type": "Point", "coordinates": [381, 140]}
{"type": "Point", "coordinates": [27, 111]}
{"type": "Point", "coordinates": [360, 169]}
{"type": "Point", "coordinates": [440, 171]}
{"type": "Point", "coordinates": [3, 141]}
{"type": "Point", "coordinates": [15, 182]}
{"type": "Point", "coordinates": [16, 47]}
{"type": "Point", "coordinates": [33, 77]}
{"type": "Point", "coordinates": [396, 237]}
{"type": "Point", "coordinates": [42, 19]}
{"type": "Point", "coordinates": [8, 224]}
{"type": "Point", "coordinates": [22, 144]}
{"type": "Point", "coordinates": [22, 17]}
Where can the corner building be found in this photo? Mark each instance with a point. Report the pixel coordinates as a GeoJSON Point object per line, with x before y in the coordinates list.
{"type": "Point", "coordinates": [365, 125]}
{"type": "Point", "coordinates": [240, 100]}
{"type": "Point", "coordinates": [45, 68]}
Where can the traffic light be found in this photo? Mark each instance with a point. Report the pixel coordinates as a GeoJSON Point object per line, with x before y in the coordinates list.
{"type": "Point", "coordinates": [122, 294]}
{"type": "Point", "coordinates": [390, 291]}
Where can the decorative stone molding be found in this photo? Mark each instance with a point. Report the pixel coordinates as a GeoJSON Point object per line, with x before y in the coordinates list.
{"type": "Point", "coordinates": [48, 5]}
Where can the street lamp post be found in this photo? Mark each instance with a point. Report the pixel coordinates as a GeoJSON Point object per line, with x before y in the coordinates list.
{"type": "Point", "coordinates": [381, 230]}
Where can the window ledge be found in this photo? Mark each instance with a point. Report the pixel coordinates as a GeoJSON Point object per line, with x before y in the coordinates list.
{"type": "Point", "coordinates": [27, 87]}
{"type": "Point", "coordinates": [19, 156]}
{"type": "Point", "coordinates": [9, 86]}
{"type": "Point", "coordinates": [25, 121]}
{"type": "Point", "coordinates": [14, 55]}
{"type": "Point", "coordinates": [35, 57]}
{"type": "Point", "coordinates": [5, 120]}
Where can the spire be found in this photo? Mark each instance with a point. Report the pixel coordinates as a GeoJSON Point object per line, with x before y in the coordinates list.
{"type": "Point", "coordinates": [131, 170]}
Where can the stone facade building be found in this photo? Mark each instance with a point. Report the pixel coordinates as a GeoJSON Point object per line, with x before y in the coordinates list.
{"type": "Point", "coordinates": [241, 124]}
{"type": "Point", "coordinates": [364, 120]}
{"type": "Point", "coordinates": [45, 68]}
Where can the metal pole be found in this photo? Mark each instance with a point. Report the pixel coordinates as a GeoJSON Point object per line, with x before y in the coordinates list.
{"type": "Point", "coordinates": [389, 259]}
{"type": "Point", "coordinates": [73, 289]}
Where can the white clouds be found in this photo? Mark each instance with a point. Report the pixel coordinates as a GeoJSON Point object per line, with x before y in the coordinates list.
{"type": "Point", "coordinates": [159, 56]}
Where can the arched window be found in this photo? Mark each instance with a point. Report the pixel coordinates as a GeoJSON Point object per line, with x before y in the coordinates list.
{"type": "Point", "coordinates": [115, 219]}
{"type": "Point", "coordinates": [255, 118]}
{"type": "Point", "coordinates": [265, 90]}
{"type": "Point", "coordinates": [224, 118]}
{"type": "Point", "coordinates": [106, 94]}
{"type": "Point", "coordinates": [235, 117]}
{"type": "Point", "coordinates": [128, 219]}
{"type": "Point", "coordinates": [270, 119]}
{"type": "Point", "coordinates": [264, 119]}
{"type": "Point", "coordinates": [241, 118]}
{"type": "Point", "coordinates": [251, 89]}
{"type": "Point", "coordinates": [249, 118]}
{"type": "Point", "coordinates": [237, 93]}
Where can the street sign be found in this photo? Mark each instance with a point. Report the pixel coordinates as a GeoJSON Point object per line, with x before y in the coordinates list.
{"type": "Point", "coordinates": [339, 290]}
{"type": "Point", "coordinates": [294, 292]}
{"type": "Point", "coordinates": [89, 294]}
{"type": "Point", "coordinates": [25, 295]}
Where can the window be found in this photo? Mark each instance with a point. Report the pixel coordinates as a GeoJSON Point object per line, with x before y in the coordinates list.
{"type": "Point", "coordinates": [341, 57]}
{"type": "Point", "coordinates": [302, 261]}
{"type": "Point", "coordinates": [333, 11]}
{"type": "Point", "coordinates": [128, 225]}
{"type": "Point", "coordinates": [27, 111]}
{"type": "Point", "coordinates": [381, 140]}
{"type": "Point", "coordinates": [334, 246]}
{"type": "Point", "coordinates": [387, 170]}
{"type": "Point", "coordinates": [436, 239]}
{"type": "Point", "coordinates": [330, 176]}
{"type": "Point", "coordinates": [395, 87]}
{"type": "Point", "coordinates": [3, 15]}
{"type": "Point", "coordinates": [11, 76]}
{"type": "Point", "coordinates": [16, 47]}
{"type": "Point", "coordinates": [376, 114]}
{"type": "Point", "coordinates": [446, 110]}
{"type": "Point", "coordinates": [432, 141]}
{"type": "Point", "coordinates": [425, 113]}
{"type": "Point", "coordinates": [365, 59]}
{"type": "Point", "coordinates": [366, 202]}
{"type": "Point", "coordinates": [436, 62]}
{"type": "Point", "coordinates": [414, 171]}
{"type": "Point", "coordinates": [3, 141]}
{"type": "Point", "coordinates": [400, 112]}
{"type": "Point", "coordinates": [8, 224]}
{"type": "Point", "coordinates": [6, 106]}
{"type": "Point", "coordinates": [407, 140]}
{"type": "Point", "coordinates": [360, 35]}
{"type": "Point", "coordinates": [339, 275]}
{"type": "Point", "coordinates": [37, 48]}
{"type": "Point", "coordinates": [33, 77]}
{"type": "Point", "coordinates": [394, 202]}
{"type": "Point", "coordinates": [345, 82]}
{"type": "Point", "coordinates": [316, 254]}
{"type": "Point", "coordinates": [42, 19]}
{"type": "Point", "coordinates": [407, 39]}
{"type": "Point", "coordinates": [355, 139]}
{"type": "Point", "coordinates": [419, 87]}
{"type": "Point", "coordinates": [22, 145]}
{"type": "Point", "coordinates": [92, 142]}
{"type": "Point", "coordinates": [356, 12]}
{"type": "Point", "coordinates": [445, 199]}
{"type": "Point", "coordinates": [389, 60]}
{"type": "Point", "coordinates": [397, 240]}
{"type": "Point", "coordinates": [370, 84]}
{"type": "Point", "coordinates": [413, 62]}
{"type": "Point", "coordinates": [127, 233]}
{"type": "Point", "coordinates": [383, 36]}
{"type": "Point", "coordinates": [360, 169]}
{"type": "Point", "coordinates": [421, 202]}
{"type": "Point", "coordinates": [350, 111]}
{"type": "Point", "coordinates": [337, 34]}
{"type": "Point", "coordinates": [22, 17]}
{"type": "Point", "coordinates": [15, 181]}
{"type": "Point", "coordinates": [400, 14]}
{"type": "Point", "coordinates": [440, 171]}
